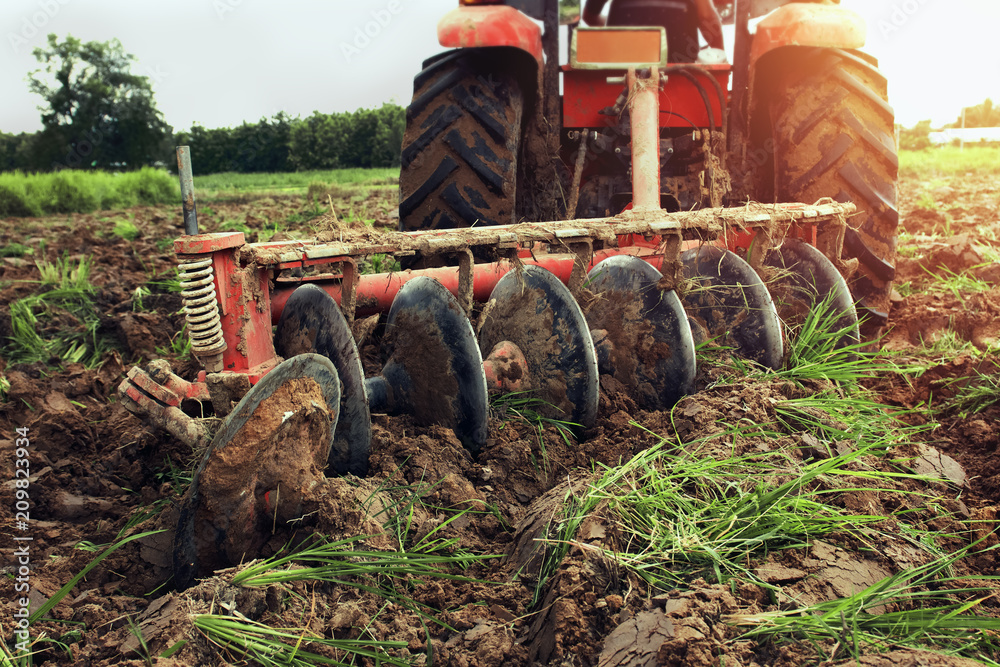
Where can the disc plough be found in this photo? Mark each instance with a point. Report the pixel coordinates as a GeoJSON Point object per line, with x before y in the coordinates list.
{"type": "Point", "coordinates": [544, 308]}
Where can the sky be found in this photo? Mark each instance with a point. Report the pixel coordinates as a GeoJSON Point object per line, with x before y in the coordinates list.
{"type": "Point", "coordinates": [222, 62]}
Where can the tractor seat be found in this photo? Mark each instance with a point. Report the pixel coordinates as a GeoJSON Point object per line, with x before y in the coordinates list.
{"type": "Point", "coordinates": [678, 17]}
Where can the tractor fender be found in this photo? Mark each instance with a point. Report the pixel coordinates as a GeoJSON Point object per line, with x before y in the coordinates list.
{"type": "Point", "coordinates": [490, 25]}
{"type": "Point", "coordinates": [806, 24]}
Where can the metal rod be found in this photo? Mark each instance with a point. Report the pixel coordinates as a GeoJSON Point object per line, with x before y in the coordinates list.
{"type": "Point", "coordinates": [737, 130]}
{"type": "Point", "coordinates": [376, 291]}
{"type": "Point", "coordinates": [550, 71]}
{"type": "Point", "coordinates": [187, 190]}
{"type": "Point", "coordinates": [644, 111]}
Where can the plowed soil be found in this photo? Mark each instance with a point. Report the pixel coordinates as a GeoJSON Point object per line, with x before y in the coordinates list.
{"type": "Point", "coordinates": [98, 474]}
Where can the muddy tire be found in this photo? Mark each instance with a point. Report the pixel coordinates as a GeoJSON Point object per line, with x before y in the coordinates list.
{"type": "Point", "coordinates": [834, 137]}
{"type": "Point", "coordinates": [460, 148]}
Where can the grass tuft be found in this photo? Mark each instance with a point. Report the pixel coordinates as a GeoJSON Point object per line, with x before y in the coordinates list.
{"type": "Point", "coordinates": [290, 646]}
{"type": "Point", "coordinates": [685, 510]}
{"type": "Point", "coordinates": [60, 325]}
{"type": "Point", "coordinates": [15, 250]}
{"type": "Point", "coordinates": [383, 573]}
{"type": "Point", "coordinates": [824, 348]}
{"type": "Point", "coordinates": [977, 394]}
{"type": "Point", "coordinates": [926, 611]}
{"type": "Point", "coordinates": [125, 229]}
{"type": "Point", "coordinates": [524, 407]}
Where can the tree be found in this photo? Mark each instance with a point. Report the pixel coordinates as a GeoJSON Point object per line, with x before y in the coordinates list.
{"type": "Point", "coordinates": [981, 115]}
{"type": "Point", "coordinates": [915, 138]}
{"type": "Point", "coordinates": [249, 148]}
{"type": "Point", "coordinates": [362, 138]}
{"type": "Point", "coordinates": [97, 112]}
{"type": "Point", "coordinates": [16, 151]}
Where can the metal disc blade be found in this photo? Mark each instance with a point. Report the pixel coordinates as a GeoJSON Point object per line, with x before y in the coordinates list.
{"type": "Point", "coordinates": [805, 279]}
{"type": "Point", "coordinates": [534, 310]}
{"type": "Point", "coordinates": [653, 350]}
{"type": "Point", "coordinates": [729, 300]}
{"type": "Point", "coordinates": [435, 370]}
{"type": "Point", "coordinates": [260, 469]}
{"type": "Point", "coordinates": [312, 322]}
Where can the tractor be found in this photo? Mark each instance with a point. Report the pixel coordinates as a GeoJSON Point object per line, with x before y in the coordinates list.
{"type": "Point", "coordinates": [553, 242]}
{"type": "Point", "coordinates": [800, 115]}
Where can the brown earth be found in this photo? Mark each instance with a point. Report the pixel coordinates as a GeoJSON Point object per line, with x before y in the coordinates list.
{"type": "Point", "coordinates": [96, 469]}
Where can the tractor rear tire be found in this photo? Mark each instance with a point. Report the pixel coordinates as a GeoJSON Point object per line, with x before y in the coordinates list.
{"type": "Point", "coordinates": [460, 148]}
{"type": "Point", "coordinates": [834, 136]}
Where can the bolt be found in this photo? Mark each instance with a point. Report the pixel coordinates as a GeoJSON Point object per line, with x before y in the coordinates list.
{"type": "Point", "coordinates": [618, 150]}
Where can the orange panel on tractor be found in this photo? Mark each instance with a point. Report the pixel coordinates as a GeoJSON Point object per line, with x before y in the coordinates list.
{"type": "Point", "coordinates": [618, 46]}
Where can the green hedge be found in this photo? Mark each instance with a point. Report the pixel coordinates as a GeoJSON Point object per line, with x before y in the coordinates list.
{"type": "Point", "coordinates": [83, 191]}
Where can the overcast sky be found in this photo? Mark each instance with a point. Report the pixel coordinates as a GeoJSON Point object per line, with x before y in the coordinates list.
{"type": "Point", "coordinates": [221, 62]}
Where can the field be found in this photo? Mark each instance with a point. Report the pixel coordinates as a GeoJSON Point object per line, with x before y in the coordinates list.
{"type": "Point", "coordinates": [767, 519]}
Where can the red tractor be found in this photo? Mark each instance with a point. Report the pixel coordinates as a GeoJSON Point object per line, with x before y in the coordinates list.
{"type": "Point", "coordinates": [601, 249]}
{"type": "Point", "coordinates": [801, 115]}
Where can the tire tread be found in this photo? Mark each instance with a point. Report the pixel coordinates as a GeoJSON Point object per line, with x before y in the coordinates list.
{"type": "Point", "coordinates": [461, 143]}
{"type": "Point", "coordinates": [833, 131]}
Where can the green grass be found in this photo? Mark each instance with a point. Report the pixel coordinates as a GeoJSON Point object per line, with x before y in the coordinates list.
{"type": "Point", "coordinates": [56, 598]}
{"type": "Point", "coordinates": [820, 347]}
{"type": "Point", "coordinates": [15, 250]}
{"type": "Point", "coordinates": [269, 646]}
{"type": "Point", "coordinates": [386, 574]}
{"type": "Point", "coordinates": [71, 191]}
{"type": "Point", "coordinates": [380, 264]}
{"type": "Point", "coordinates": [823, 348]}
{"type": "Point", "coordinates": [398, 519]}
{"type": "Point", "coordinates": [950, 160]}
{"type": "Point", "coordinates": [7, 657]}
{"type": "Point", "coordinates": [62, 274]}
{"type": "Point", "coordinates": [977, 393]}
{"type": "Point", "coordinates": [213, 186]}
{"type": "Point", "coordinates": [959, 285]}
{"type": "Point", "coordinates": [685, 510]}
{"type": "Point", "coordinates": [338, 562]}
{"type": "Point", "coordinates": [125, 229]}
{"type": "Point", "coordinates": [685, 515]}
{"type": "Point", "coordinates": [522, 406]}
{"type": "Point", "coordinates": [65, 314]}
{"type": "Point", "coordinates": [925, 607]}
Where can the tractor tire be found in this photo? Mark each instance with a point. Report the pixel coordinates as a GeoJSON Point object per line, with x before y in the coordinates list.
{"type": "Point", "coordinates": [834, 136]}
{"type": "Point", "coordinates": [460, 148]}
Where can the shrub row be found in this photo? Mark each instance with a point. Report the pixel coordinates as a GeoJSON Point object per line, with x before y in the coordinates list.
{"type": "Point", "coordinates": [67, 191]}
{"type": "Point", "coordinates": [365, 138]}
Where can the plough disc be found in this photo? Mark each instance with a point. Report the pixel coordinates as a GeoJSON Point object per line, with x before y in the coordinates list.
{"type": "Point", "coordinates": [435, 371]}
{"type": "Point", "coordinates": [262, 467]}
{"type": "Point", "coordinates": [805, 279]}
{"type": "Point", "coordinates": [644, 337]}
{"type": "Point", "coordinates": [729, 303]}
{"type": "Point", "coordinates": [312, 322]}
{"type": "Point", "coordinates": [533, 310]}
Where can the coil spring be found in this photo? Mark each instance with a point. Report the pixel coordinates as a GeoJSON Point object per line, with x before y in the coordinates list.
{"type": "Point", "coordinates": [201, 308]}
